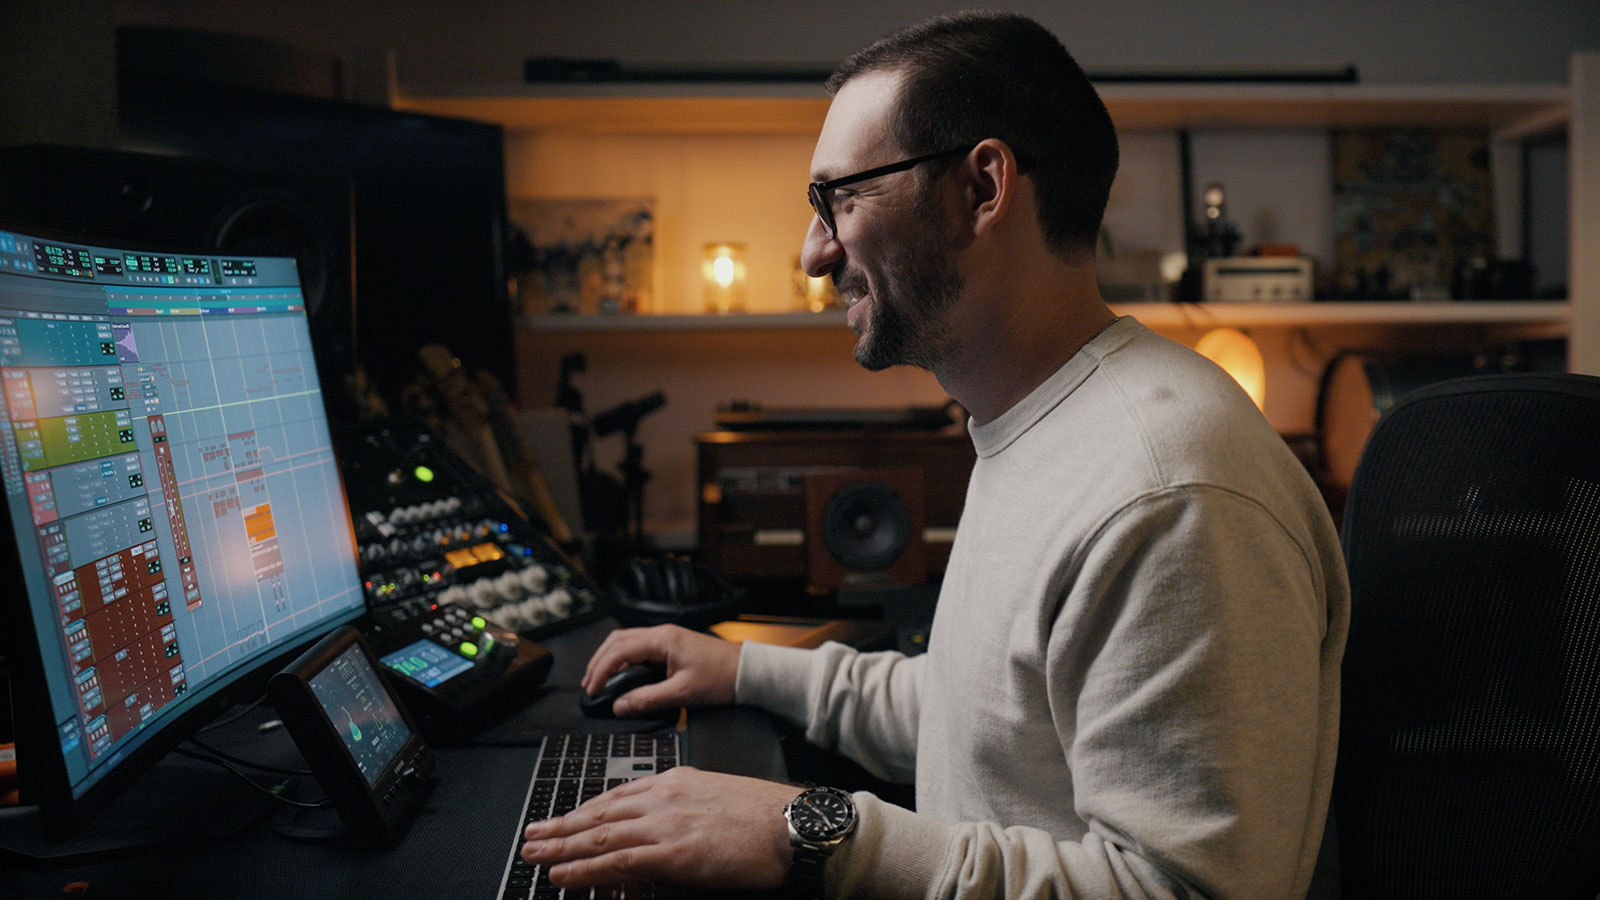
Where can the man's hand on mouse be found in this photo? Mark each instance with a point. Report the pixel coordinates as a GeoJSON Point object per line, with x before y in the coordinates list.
{"type": "Point", "coordinates": [701, 668]}
{"type": "Point", "coordinates": [685, 826]}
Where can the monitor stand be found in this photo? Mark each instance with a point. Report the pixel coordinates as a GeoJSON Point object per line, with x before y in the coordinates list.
{"type": "Point", "coordinates": [176, 805]}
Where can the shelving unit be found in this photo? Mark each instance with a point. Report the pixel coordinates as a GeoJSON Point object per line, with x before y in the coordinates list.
{"type": "Point", "coordinates": [1515, 111]}
{"type": "Point", "coordinates": [1155, 315]}
{"type": "Point", "coordinates": [625, 140]}
{"type": "Point", "coordinates": [1510, 113]}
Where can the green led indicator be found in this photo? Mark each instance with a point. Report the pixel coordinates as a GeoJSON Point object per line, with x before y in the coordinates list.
{"type": "Point", "coordinates": [468, 649]}
{"type": "Point", "coordinates": [422, 474]}
{"type": "Point", "coordinates": [478, 622]}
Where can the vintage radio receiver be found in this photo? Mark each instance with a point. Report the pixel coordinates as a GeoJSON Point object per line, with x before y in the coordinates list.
{"type": "Point", "coordinates": [767, 500]}
{"type": "Point", "coordinates": [1258, 279]}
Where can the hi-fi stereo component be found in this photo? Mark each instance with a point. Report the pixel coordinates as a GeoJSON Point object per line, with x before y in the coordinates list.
{"type": "Point", "coordinates": [433, 532]}
{"type": "Point", "coordinates": [753, 511]}
{"type": "Point", "coordinates": [1253, 279]}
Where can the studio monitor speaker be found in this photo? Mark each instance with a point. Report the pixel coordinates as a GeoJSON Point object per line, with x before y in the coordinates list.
{"type": "Point", "coordinates": [864, 529]}
{"type": "Point", "coordinates": [192, 205]}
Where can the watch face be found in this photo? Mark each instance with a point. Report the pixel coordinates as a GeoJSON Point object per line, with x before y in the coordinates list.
{"type": "Point", "coordinates": [821, 815]}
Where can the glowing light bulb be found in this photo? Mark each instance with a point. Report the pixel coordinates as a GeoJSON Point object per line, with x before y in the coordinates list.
{"type": "Point", "coordinates": [723, 271]}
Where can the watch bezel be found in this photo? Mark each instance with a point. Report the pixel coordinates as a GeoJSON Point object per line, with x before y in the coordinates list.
{"type": "Point", "coordinates": [835, 834]}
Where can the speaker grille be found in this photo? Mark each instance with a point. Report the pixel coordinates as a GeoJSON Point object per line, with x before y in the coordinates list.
{"type": "Point", "coordinates": [866, 526]}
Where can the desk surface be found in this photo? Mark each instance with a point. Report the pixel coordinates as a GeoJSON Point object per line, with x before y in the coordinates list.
{"type": "Point", "coordinates": [457, 845]}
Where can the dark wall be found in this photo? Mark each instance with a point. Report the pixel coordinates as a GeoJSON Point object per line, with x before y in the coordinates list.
{"type": "Point", "coordinates": [429, 206]}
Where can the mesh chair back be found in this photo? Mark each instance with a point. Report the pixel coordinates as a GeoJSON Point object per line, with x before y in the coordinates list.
{"type": "Point", "coordinates": [1469, 761]}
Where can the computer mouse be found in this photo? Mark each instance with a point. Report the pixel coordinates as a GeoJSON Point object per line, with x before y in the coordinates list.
{"type": "Point", "coordinates": [599, 705]}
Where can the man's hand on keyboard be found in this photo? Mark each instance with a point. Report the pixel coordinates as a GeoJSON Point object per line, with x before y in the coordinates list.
{"type": "Point", "coordinates": [701, 668]}
{"type": "Point", "coordinates": [685, 827]}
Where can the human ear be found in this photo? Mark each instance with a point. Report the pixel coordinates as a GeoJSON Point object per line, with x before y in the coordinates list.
{"type": "Point", "coordinates": [992, 176]}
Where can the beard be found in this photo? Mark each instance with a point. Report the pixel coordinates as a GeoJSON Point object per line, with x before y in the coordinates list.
{"type": "Point", "coordinates": [907, 322]}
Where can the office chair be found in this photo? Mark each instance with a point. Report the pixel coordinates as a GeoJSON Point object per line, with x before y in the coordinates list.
{"type": "Point", "coordinates": [1469, 758]}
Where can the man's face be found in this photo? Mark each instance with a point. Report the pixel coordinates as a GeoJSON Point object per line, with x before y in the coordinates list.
{"type": "Point", "coordinates": [891, 256]}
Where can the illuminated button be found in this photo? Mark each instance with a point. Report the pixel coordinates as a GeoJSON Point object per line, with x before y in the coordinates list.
{"type": "Point", "coordinates": [468, 649]}
{"type": "Point", "coordinates": [422, 474]}
{"type": "Point", "coordinates": [479, 622]}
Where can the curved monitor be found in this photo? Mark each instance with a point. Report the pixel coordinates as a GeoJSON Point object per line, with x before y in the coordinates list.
{"type": "Point", "coordinates": [173, 508]}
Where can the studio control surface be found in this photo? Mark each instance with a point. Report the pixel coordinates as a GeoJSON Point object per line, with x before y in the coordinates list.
{"type": "Point", "coordinates": [458, 630]}
{"type": "Point", "coordinates": [460, 585]}
{"type": "Point", "coordinates": [458, 551]}
{"type": "Point", "coordinates": [431, 532]}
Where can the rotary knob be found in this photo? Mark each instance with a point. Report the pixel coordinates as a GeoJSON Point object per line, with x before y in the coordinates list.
{"type": "Point", "coordinates": [482, 594]}
{"type": "Point", "coordinates": [559, 602]}
{"type": "Point", "coordinates": [534, 578]}
{"type": "Point", "coordinates": [509, 587]}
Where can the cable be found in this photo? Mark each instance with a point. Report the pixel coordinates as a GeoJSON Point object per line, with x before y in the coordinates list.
{"type": "Point", "coordinates": [321, 804]}
{"type": "Point", "coordinates": [235, 716]}
{"type": "Point", "coordinates": [222, 754]}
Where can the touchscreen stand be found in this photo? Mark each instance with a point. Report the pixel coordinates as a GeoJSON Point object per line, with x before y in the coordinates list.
{"type": "Point", "coordinates": [356, 738]}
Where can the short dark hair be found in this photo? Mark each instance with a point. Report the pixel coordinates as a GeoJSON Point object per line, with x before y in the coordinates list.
{"type": "Point", "coordinates": [981, 74]}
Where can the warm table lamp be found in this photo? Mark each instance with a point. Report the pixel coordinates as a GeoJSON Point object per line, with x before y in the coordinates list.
{"type": "Point", "coordinates": [724, 273]}
{"type": "Point", "coordinates": [1238, 356]}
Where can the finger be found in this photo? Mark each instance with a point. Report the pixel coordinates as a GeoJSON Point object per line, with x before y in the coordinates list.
{"type": "Point", "coordinates": [609, 839]}
{"type": "Point", "coordinates": [630, 864]}
{"type": "Point", "coordinates": [610, 806]}
{"type": "Point", "coordinates": [619, 650]}
{"type": "Point", "coordinates": [605, 838]}
{"type": "Point", "coordinates": [597, 660]}
{"type": "Point", "coordinates": [652, 698]}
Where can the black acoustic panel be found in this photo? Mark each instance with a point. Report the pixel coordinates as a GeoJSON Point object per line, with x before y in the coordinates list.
{"type": "Point", "coordinates": [204, 207]}
{"type": "Point", "coordinates": [429, 207]}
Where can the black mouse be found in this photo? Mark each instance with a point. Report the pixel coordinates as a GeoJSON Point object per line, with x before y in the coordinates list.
{"type": "Point", "coordinates": [599, 705]}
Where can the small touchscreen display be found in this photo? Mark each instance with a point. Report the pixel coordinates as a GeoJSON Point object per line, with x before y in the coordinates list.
{"type": "Point", "coordinates": [362, 712]}
{"type": "Point", "coordinates": [427, 663]}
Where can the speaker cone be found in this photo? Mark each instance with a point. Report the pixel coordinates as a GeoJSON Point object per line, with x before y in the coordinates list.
{"type": "Point", "coordinates": [866, 526]}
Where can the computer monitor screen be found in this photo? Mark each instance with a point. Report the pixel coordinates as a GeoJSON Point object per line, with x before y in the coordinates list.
{"type": "Point", "coordinates": [172, 498]}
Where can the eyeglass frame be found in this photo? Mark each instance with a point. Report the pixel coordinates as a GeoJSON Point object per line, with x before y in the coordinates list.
{"type": "Point", "coordinates": [815, 191]}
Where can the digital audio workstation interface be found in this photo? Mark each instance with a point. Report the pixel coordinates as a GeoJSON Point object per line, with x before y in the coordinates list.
{"type": "Point", "coordinates": [166, 459]}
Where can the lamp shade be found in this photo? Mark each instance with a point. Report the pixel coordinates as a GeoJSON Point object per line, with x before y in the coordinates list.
{"type": "Point", "coordinates": [1239, 356]}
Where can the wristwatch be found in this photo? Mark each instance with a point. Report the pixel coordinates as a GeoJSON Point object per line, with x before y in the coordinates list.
{"type": "Point", "coordinates": [820, 819]}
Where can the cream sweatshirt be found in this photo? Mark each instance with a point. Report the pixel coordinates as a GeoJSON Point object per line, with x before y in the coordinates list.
{"type": "Point", "coordinates": [1132, 682]}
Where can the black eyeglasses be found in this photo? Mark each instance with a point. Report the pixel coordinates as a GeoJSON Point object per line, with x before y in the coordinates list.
{"type": "Point", "coordinates": [817, 191]}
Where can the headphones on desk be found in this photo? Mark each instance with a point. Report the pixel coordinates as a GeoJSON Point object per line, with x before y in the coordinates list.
{"type": "Point", "coordinates": [670, 590]}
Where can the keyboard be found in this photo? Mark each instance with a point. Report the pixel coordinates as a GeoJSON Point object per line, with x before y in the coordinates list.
{"type": "Point", "coordinates": [573, 768]}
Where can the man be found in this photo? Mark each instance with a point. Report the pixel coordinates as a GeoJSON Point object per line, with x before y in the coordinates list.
{"type": "Point", "coordinates": [1131, 688]}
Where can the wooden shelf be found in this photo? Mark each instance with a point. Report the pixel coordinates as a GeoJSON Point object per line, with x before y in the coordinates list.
{"type": "Point", "coordinates": [1511, 111]}
{"type": "Point", "coordinates": [828, 320]}
{"type": "Point", "coordinates": [1293, 315]}
{"type": "Point", "coordinates": [1155, 315]}
{"type": "Point", "coordinates": [1506, 110]}
{"type": "Point", "coordinates": [633, 115]}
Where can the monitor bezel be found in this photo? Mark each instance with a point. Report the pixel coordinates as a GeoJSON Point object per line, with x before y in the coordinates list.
{"type": "Point", "coordinates": [41, 765]}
